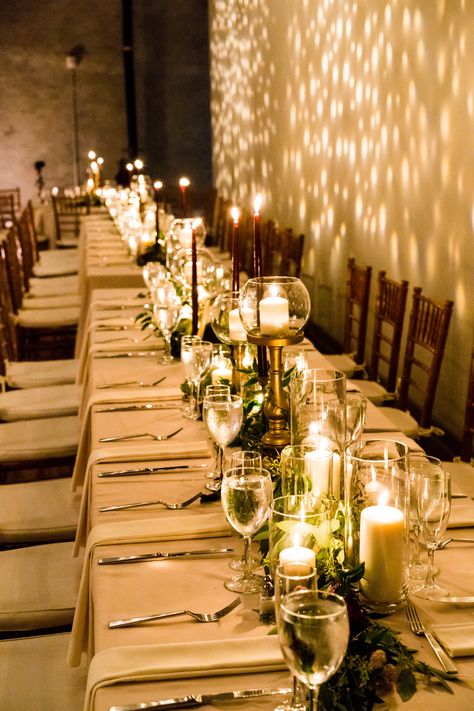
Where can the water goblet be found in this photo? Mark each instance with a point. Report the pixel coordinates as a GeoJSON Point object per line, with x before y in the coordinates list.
{"type": "Point", "coordinates": [434, 506]}
{"type": "Point", "coordinates": [223, 416]}
{"type": "Point", "coordinates": [418, 462]}
{"type": "Point", "coordinates": [196, 356]}
{"type": "Point", "coordinates": [246, 495]}
{"type": "Point", "coordinates": [217, 390]}
{"type": "Point", "coordinates": [288, 578]}
{"type": "Point", "coordinates": [313, 629]}
{"type": "Point", "coordinates": [244, 458]}
{"type": "Point", "coordinates": [166, 315]}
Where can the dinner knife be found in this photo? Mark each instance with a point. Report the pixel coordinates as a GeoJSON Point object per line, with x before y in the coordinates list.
{"type": "Point", "coordinates": [124, 354]}
{"type": "Point", "coordinates": [114, 560]}
{"type": "Point", "coordinates": [152, 470]}
{"type": "Point", "coordinates": [200, 699]}
{"type": "Point", "coordinates": [134, 408]}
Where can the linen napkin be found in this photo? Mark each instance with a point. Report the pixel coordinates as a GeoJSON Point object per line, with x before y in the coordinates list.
{"type": "Point", "coordinates": [170, 529]}
{"type": "Point", "coordinates": [457, 638]}
{"type": "Point", "coordinates": [102, 397]}
{"type": "Point", "coordinates": [129, 453]}
{"type": "Point", "coordinates": [462, 514]}
{"type": "Point", "coordinates": [118, 665]}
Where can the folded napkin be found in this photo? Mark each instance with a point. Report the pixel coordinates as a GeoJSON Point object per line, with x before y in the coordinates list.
{"type": "Point", "coordinates": [462, 514]}
{"type": "Point", "coordinates": [119, 665]}
{"type": "Point", "coordinates": [186, 527]}
{"type": "Point", "coordinates": [457, 638]}
{"type": "Point", "coordinates": [134, 452]}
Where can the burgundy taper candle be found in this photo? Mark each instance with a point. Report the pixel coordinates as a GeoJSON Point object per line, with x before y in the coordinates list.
{"type": "Point", "coordinates": [194, 285]}
{"type": "Point", "coordinates": [262, 362]}
{"type": "Point", "coordinates": [235, 250]}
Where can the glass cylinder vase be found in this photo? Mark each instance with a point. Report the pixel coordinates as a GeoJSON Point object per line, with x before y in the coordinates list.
{"type": "Point", "coordinates": [376, 512]}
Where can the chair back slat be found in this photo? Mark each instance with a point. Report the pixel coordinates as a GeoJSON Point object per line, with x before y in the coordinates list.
{"type": "Point", "coordinates": [67, 216]}
{"type": "Point", "coordinates": [468, 430]}
{"type": "Point", "coordinates": [14, 260]}
{"type": "Point", "coordinates": [426, 340]}
{"type": "Point", "coordinates": [388, 327]}
{"type": "Point", "coordinates": [357, 309]}
{"type": "Point", "coordinates": [9, 333]}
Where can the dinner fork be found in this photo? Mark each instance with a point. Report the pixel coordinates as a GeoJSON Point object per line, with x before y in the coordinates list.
{"type": "Point", "coordinates": [158, 438]}
{"type": "Point", "coordinates": [152, 502]}
{"type": "Point", "coordinates": [418, 628]}
{"type": "Point", "coordinates": [198, 616]}
{"type": "Point", "coordinates": [140, 383]}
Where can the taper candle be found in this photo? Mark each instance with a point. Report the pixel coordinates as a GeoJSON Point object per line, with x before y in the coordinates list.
{"type": "Point", "coordinates": [194, 290]}
{"type": "Point", "coordinates": [183, 184]}
{"type": "Point", "coordinates": [262, 362]}
{"type": "Point", "coordinates": [235, 249]}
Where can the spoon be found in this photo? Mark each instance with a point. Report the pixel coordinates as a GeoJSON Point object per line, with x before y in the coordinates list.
{"type": "Point", "coordinates": [443, 544]}
{"type": "Point", "coordinates": [140, 383]}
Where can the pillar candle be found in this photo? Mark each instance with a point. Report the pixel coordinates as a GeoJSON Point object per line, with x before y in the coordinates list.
{"type": "Point", "coordinates": [317, 466]}
{"type": "Point", "coordinates": [236, 329]}
{"type": "Point", "coordinates": [291, 557]}
{"type": "Point", "coordinates": [221, 375]}
{"type": "Point", "coordinates": [194, 290]}
{"type": "Point", "coordinates": [381, 549]}
{"type": "Point", "coordinates": [186, 237]}
{"type": "Point", "coordinates": [274, 316]}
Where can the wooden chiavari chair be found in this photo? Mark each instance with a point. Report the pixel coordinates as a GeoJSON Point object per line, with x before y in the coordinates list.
{"type": "Point", "coordinates": [68, 212]}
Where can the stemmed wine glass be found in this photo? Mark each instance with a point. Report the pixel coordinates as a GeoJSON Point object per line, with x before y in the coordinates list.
{"type": "Point", "coordinates": [313, 628]}
{"type": "Point", "coordinates": [246, 495]}
{"type": "Point", "coordinates": [434, 506]}
{"type": "Point", "coordinates": [418, 463]}
{"type": "Point", "coordinates": [196, 356]}
{"type": "Point", "coordinates": [244, 458]}
{"type": "Point", "coordinates": [223, 416]}
{"type": "Point", "coordinates": [166, 315]}
{"type": "Point", "coordinates": [288, 578]}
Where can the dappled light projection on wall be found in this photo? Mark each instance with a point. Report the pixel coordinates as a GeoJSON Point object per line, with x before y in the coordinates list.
{"type": "Point", "coordinates": [355, 120]}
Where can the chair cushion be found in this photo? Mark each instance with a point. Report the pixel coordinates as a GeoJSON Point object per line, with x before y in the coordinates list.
{"type": "Point", "coordinates": [38, 586]}
{"type": "Point", "coordinates": [48, 318]}
{"type": "Point", "coordinates": [402, 421]}
{"type": "Point", "coordinates": [373, 391]}
{"type": "Point", "coordinates": [54, 401]}
{"type": "Point", "coordinates": [41, 373]}
{"type": "Point", "coordinates": [52, 302]}
{"type": "Point", "coordinates": [344, 363]}
{"type": "Point", "coordinates": [34, 675]}
{"type": "Point", "coordinates": [58, 256]}
{"type": "Point", "coordinates": [39, 512]}
{"type": "Point", "coordinates": [39, 439]}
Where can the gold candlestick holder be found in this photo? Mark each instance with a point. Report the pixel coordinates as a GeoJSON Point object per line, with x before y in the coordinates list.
{"type": "Point", "coordinates": [275, 407]}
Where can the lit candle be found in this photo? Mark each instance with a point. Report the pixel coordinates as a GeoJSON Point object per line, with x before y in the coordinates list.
{"type": "Point", "coordinates": [297, 559]}
{"type": "Point", "coordinates": [138, 164]}
{"type": "Point", "coordinates": [235, 249]}
{"type": "Point", "coordinates": [186, 236]}
{"type": "Point", "coordinates": [183, 184]}
{"type": "Point", "coordinates": [236, 328]}
{"type": "Point", "coordinates": [317, 466]}
{"type": "Point", "coordinates": [194, 289]}
{"type": "Point", "coordinates": [221, 375]}
{"type": "Point", "coordinates": [274, 315]}
{"type": "Point", "coordinates": [374, 489]}
{"type": "Point", "coordinates": [381, 549]}
{"type": "Point", "coordinates": [157, 185]}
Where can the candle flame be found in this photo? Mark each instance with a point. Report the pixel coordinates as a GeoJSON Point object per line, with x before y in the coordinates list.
{"type": "Point", "coordinates": [184, 183]}
{"type": "Point", "coordinates": [383, 498]}
{"type": "Point", "coordinates": [257, 204]}
{"type": "Point", "coordinates": [129, 166]}
{"type": "Point", "coordinates": [138, 164]}
{"type": "Point", "coordinates": [100, 161]}
{"type": "Point", "coordinates": [157, 184]}
{"type": "Point", "coordinates": [91, 155]}
{"type": "Point", "coordinates": [55, 190]}
{"type": "Point", "coordinates": [373, 473]}
{"type": "Point", "coordinates": [235, 214]}
{"type": "Point", "coordinates": [94, 165]}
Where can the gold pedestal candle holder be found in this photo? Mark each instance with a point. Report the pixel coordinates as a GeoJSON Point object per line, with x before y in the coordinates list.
{"type": "Point", "coordinates": [275, 408]}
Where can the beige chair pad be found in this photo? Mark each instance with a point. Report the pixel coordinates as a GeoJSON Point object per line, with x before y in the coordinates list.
{"type": "Point", "coordinates": [54, 401]}
{"type": "Point", "coordinates": [40, 374]}
{"type": "Point", "coordinates": [39, 439]}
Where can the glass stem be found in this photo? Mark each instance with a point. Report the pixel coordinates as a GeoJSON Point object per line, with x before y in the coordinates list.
{"type": "Point", "coordinates": [247, 557]}
{"type": "Point", "coordinates": [167, 338]}
{"type": "Point", "coordinates": [416, 544]}
{"type": "Point", "coordinates": [197, 388]}
{"type": "Point", "coordinates": [219, 461]}
{"type": "Point", "coordinates": [429, 573]}
{"type": "Point", "coordinates": [313, 698]}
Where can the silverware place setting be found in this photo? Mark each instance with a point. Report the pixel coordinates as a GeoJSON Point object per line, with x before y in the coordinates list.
{"type": "Point", "coordinates": [153, 470]}
{"type": "Point", "coordinates": [196, 700]}
{"type": "Point", "coordinates": [153, 502]}
{"type": "Point", "coordinates": [418, 628]}
{"type": "Point", "coordinates": [121, 559]}
{"type": "Point", "coordinates": [136, 407]}
{"type": "Point", "coordinates": [125, 383]}
{"type": "Point", "coordinates": [198, 616]}
{"type": "Point", "coordinates": [145, 435]}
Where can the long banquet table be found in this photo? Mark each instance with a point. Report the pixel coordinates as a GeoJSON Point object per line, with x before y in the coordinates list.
{"type": "Point", "coordinates": [180, 656]}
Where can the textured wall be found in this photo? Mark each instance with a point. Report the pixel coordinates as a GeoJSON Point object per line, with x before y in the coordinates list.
{"type": "Point", "coordinates": [355, 120]}
{"type": "Point", "coordinates": [35, 88]}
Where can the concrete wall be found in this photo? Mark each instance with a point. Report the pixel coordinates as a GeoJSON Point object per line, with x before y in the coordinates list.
{"type": "Point", "coordinates": [172, 87]}
{"type": "Point", "coordinates": [354, 119]}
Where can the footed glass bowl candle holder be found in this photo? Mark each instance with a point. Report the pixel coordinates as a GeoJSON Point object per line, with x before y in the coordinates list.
{"type": "Point", "coordinates": [275, 307]}
{"type": "Point", "coordinates": [377, 520]}
{"type": "Point", "coordinates": [225, 318]}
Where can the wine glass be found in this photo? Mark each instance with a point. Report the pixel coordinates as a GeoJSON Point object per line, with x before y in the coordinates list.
{"type": "Point", "coordinates": [217, 390]}
{"type": "Point", "coordinates": [196, 356]}
{"type": "Point", "coordinates": [244, 458]}
{"type": "Point", "coordinates": [418, 462]}
{"type": "Point", "coordinates": [223, 416]}
{"type": "Point", "coordinates": [288, 578]}
{"type": "Point", "coordinates": [313, 629]}
{"type": "Point", "coordinates": [246, 495]}
{"type": "Point", "coordinates": [166, 315]}
{"type": "Point", "coordinates": [434, 506]}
